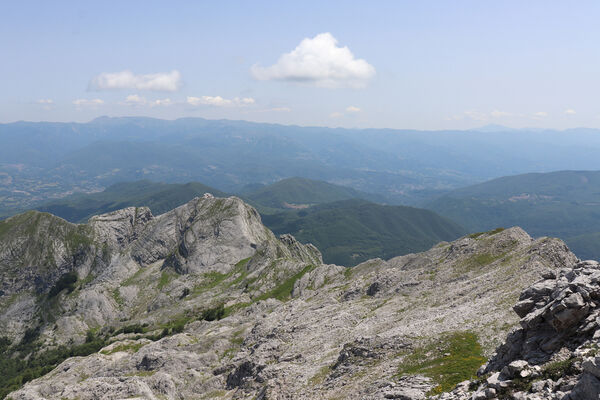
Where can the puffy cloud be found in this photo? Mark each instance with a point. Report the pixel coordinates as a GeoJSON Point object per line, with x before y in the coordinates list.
{"type": "Point", "coordinates": [336, 115]}
{"type": "Point", "coordinates": [88, 102]}
{"type": "Point", "coordinates": [540, 114]}
{"type": "Point", "coordinates": [352, 109]}
{"type": "Point", "coordinates": [570, 111]}
{"type": "Point", "coordinates": [137, 100]}
{"type": "Point", "coordinates": [318, 61]}
{"type": "Point", "coordinates": [219, 101]}
{"type": "Point", "coordinates": [162, 81]}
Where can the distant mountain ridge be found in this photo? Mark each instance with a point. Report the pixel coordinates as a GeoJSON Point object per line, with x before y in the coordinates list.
{"type": "Point", "coordinates": [159, 197]}
{"type": "Point", "coordinates": [42, 160]}
{"type": "Point", "coordinates": [352, 231]}
{"type": "Point", "coordinates": [301, 193]}
{"type": "Point", "coordinates": [565, 204]}
{"type": "Point", "coordinates": [347, 227]}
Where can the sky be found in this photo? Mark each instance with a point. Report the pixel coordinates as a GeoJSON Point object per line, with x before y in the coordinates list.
{"type": "Point", "coordinates": [380, 64]}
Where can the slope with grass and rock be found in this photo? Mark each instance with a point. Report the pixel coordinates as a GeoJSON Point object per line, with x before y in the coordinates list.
{"type": "Point", "coordinates": [205, 302]}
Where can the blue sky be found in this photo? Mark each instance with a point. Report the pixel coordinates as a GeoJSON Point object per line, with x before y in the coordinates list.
{"type": "Point", "coordinates": [395, 64]}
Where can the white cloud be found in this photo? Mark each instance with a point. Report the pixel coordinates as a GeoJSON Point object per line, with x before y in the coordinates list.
{"type": "Point", "coordinates": [540, 114]}
{"type": "Point", "coordinates": [336, 115]}
{"type": "Point", "coordinates": [88, 102]}
{"type": "Point", "coordinates": [352, 109]}
{"type": "Point", "coordinates": [162, 81]}
{"type": "Point", "coordinates": [318, 61]}
{"type": "Point", "coordinates": [46, 104]}
{"type": "Point", "coordinates": [134, 99]}
{"type": "Point", "coordinates": [161, 102]}
{"type": "Point", "coordinates": [499, 114]}
{"type": "Point", "coordinates": [570, 111]}
{"type": "Point", "coordinates": [476, 115]}
{"type": "Point", "coordinates": [137, 100]}
{"type": "Point", "coordinates": [219, 101]}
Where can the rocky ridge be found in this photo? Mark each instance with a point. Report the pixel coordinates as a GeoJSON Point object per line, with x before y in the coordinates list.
{"type": "Point", "coordinates": [223, 309]}
{"type": "Point", "coordinates": [554, 352]}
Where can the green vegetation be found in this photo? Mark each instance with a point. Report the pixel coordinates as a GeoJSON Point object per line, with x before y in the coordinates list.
{"type": "Point", "coordinates": [352, 231]}
{"type": "Point", "coordinates": [586, 246]}
{"type": "Point", "coordinates": [563, 204]}
{"type": "Point", "coordinates": [454, 358]}
{"type": "Point", "coordinates": [346, 229]}
{"type": "Point", "coordinates": [165, 279]}
{"type": "Point", "coordinates": [557, 369]}
{"type": "Point", "coordinates": [553, 370]}
{"type": "Point", "coordinates": [320, 376]}
{"type": "Point", "coordinates": [25, 361]}
{"type": "Point", "coordinates": [301, 193]}
{"type": "Point", "coordinates": [16, 370]}
{"type": "Point", "coordinates": [490, 233]}
{"type": "Point", "coordinates": [128, 347]}
{"type": "Point", "coordinates": [283, 291]}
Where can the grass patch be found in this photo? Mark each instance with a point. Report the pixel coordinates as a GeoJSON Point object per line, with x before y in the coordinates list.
{"type": "Point", "coordinates": [135, 278]}
{"type": "Point", "coordinates": [116, 295]}
{"type": "Point", "coordinates": [489, 233]}
{"type": "Point", "coordinates": [284, 290]}
{"type": "Point", "coordinates": [477, 261]}
{"type": "Point", "coordinates": [165, 279]}
{"type": "Point", "coordinates": [348, 273]}
{"type": "Point", "coordinates": [557, 369]}
{"type": "Point", "coordinates": [320, 376]}
{"type": "Point", "coordinates": [454, 358]}
{"type": "Point", "coordinates": [128, 347]}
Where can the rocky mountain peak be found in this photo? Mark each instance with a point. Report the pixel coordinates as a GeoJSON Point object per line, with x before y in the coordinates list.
{"type": "Point", "coordinates": [121, 227]}
{"type": "Point", "coordinates": [223, 308]}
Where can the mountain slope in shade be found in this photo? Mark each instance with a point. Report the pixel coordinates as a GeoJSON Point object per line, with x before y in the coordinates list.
{"type": "Point", "coordinates": [302, 193]}
{"type": "Point", "coordinates": [351, 231]}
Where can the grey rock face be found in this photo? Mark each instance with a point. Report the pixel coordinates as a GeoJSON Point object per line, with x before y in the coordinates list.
{"type": "Point", "coordinates": [564, 313]}
{"type": "Point", "coordinates": [294, 328]}
{"type": "Point", "coordinates": [555, 348]}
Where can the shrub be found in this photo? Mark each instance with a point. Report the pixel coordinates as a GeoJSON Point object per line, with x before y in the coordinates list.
{"type": "Point", "coordinates": [213, 314]}
{"type": "Point", "coordinates": [66, 281]}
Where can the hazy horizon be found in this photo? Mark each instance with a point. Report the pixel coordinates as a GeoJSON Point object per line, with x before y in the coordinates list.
{"type": "Point", "coordinates": [481, 128]}
{"type": "Point", "coordinates": [397, 65]}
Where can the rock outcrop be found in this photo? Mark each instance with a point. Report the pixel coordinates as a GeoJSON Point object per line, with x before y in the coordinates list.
{"type": "Point", "coordinates": [205, 302]}
{"type": "Point", "coordinates": [553, 355]}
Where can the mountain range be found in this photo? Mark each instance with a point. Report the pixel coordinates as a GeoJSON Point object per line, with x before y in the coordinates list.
{"type": "Point", "coordinates": [41, 161]}
{"type": "Point", "coordinates": [346, 227]}
{"type": "Point", "coordinates": [204, 301]}
{"type": "Point", "coordinates": [564, 204]}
